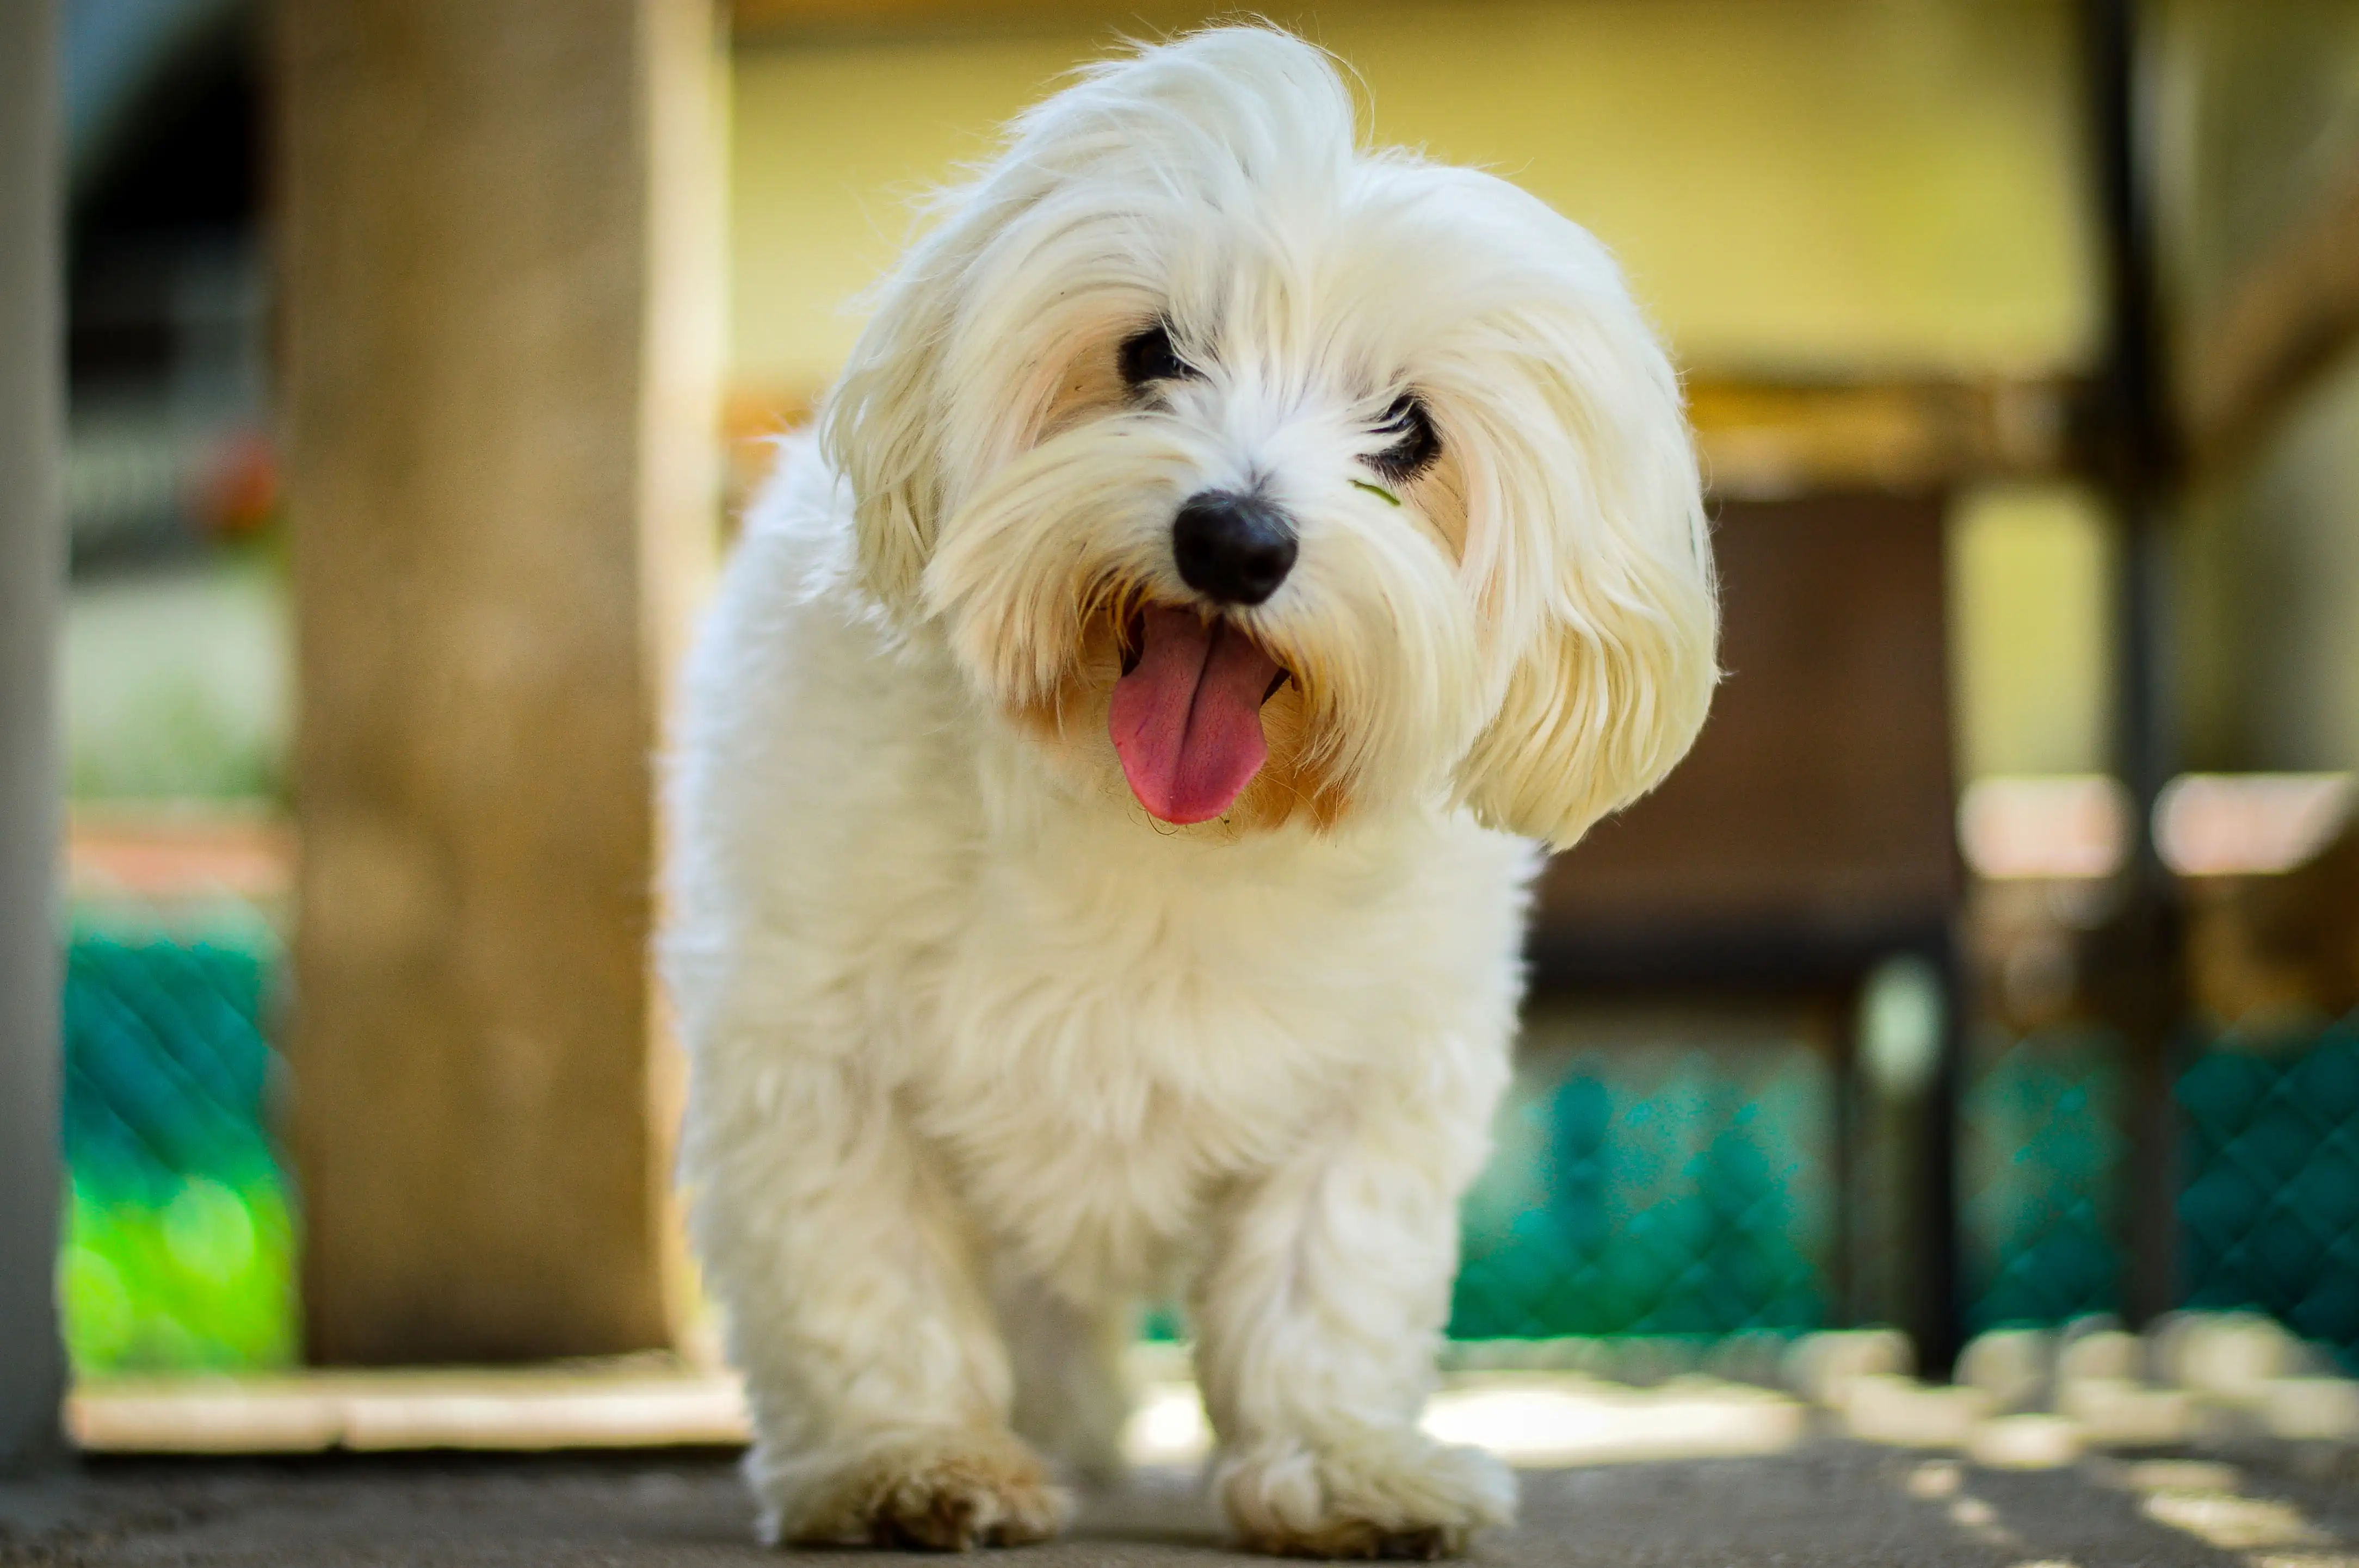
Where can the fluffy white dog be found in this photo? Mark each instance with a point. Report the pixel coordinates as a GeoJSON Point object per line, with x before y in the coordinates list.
{"type": "Point", "coordinates": [1104, 810]}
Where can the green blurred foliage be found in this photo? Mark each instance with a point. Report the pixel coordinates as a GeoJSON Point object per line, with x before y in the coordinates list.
{"type": "Point", "coordinates": [205, 1282]}
{"type": "Point", "coordinates": [179, 1227]}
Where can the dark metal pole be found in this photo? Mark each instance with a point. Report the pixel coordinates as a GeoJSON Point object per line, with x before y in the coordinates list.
{"type": "Point", "coordinates": [32, 566]}
{"type": "Point", "coordinates": [2133, 441]}
{"type": "Point", "coordinates": [1940, 1329]}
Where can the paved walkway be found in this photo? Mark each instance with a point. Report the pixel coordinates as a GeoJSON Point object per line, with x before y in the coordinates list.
{"type": "Point", "coordinates": [1830, 1502]}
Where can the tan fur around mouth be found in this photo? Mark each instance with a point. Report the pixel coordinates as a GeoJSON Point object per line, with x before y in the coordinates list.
{"type": "Point", "coordinates": [1292, 780]}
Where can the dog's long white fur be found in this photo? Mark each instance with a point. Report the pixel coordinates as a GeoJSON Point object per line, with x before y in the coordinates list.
{"type": "Point", "coordinates": [983, 1055]}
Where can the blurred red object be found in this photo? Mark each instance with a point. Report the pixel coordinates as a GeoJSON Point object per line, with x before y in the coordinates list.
{"type": "Point", "coordinates": [165, 855]}
{"type": "Point", "coordinates": [237, 487]}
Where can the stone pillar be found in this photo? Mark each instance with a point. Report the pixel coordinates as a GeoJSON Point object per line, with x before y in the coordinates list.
{"type": "Point", "coordinates": [32, 573]}
{"type": "Point", "coordinates": [500, 257]}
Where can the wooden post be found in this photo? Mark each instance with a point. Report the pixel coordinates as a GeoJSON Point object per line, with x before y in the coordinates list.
{"type": "Point", "coordinates": [32, 573]}
{"type": "Point", "coordinates": [501, 240]}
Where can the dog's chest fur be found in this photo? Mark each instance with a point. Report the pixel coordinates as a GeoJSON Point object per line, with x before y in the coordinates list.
{"type": "Point", "coordinates": [1125, 1022]}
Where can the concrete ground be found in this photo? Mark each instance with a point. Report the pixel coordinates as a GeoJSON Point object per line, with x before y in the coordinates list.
{"type": "Point", "coordinates": [1829, 1501]}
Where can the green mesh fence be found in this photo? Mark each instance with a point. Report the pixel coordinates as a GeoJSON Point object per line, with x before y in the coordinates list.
{"type": "Point", "coordinates": [2270, 1212]}
{"type": "Point", "coordinates": [1653, 1188]}
{"type": "Point", "coordinates": [1648, 1181]}
{"type": "Point", "coordinates": [178, 1235]}
{"type": "Point", "coordinates": [2268, 1156]}
{"type": "Point", "coordinates": [2039, 1147]}
{"type": "Point", "coordinates": [1639, 1188]}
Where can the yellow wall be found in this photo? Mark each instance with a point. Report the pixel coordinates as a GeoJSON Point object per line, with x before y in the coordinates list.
{"type": "Point", "coordinates": [2030, 632]}
{"type": "Point", "coordinates": [1796, 184]}
{"type": "Point", "coordinates": [2267, 569]}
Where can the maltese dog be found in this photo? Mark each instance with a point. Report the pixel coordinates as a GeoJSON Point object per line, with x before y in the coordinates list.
{"type": "Point", "coordinates": [1106, 792]}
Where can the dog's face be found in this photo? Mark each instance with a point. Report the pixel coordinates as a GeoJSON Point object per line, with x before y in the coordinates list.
{"type": "Point", "coordinates": [1265, 479]}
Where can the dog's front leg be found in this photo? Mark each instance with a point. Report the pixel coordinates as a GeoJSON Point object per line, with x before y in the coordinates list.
{"type": "Point", "coordinates": [878, 1384]}
{"type": "Point", "coordinates": [1318, 1320]}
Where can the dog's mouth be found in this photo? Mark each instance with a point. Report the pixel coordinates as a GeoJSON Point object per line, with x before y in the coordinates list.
{"type": "Point", "coordinates": [1186, 715]}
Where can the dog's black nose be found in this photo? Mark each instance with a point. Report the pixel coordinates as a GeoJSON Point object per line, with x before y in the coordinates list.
{"type": "Point", "coordinates": [1232, 549]}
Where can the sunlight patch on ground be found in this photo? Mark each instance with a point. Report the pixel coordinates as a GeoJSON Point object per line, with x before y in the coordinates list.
{"type": "Point", "coordinates": [1535, 1422]}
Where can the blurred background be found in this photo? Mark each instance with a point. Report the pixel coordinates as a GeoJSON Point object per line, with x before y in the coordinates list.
{"type": "Point", "coordinates": [1990, 965]}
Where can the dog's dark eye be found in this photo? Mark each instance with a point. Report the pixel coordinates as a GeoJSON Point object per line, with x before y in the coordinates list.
{"type": "Point", "coordinates": [1149, 357]}
{"type": "Point", "coordinates": [1415, 442]}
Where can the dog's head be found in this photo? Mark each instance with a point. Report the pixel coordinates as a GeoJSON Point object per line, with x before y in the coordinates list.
{"type": "Point", "coordinates": [1264, 475]}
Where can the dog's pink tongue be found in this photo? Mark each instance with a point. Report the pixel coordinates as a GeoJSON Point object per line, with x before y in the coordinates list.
{"type": "Point", "coordinates": [1186, 720]}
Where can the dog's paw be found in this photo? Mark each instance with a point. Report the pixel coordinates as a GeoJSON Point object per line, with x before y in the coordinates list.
{"type": "Point", "coordinates": [935, 1492]}
{"type": "Point", "coordinates": [1392, 1495]}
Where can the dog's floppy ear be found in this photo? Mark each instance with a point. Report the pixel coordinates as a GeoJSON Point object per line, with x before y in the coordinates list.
{"type": "Point", "coordinates": [1618, 620]}
{"type": "Point", "coordinates": [882, 428]}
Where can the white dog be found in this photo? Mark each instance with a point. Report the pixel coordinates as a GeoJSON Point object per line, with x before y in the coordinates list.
{"type": "Point", "coordinates": [1101, 817]}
